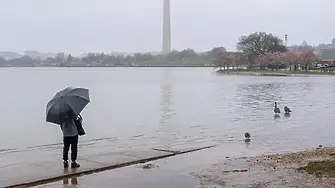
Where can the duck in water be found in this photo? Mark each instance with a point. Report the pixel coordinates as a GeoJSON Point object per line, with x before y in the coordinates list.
{"type": "Point", "coordinates": [287, 110]}
{"type": "Point", "coordinates": [247, 137]}
{"type": "Point", "coordinates": [276, 110]}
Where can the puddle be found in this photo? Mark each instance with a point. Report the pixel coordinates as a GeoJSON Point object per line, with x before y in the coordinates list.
{"type": "Point", "coordinates": [130, 178]}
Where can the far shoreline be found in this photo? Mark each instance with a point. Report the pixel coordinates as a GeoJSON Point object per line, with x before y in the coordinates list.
{"type": "Point", "coordinates": [239, 72]}
{"type": "Point", "coordinates": [257, 72]}
{"type": "Point", "coordinates": [108, 67]}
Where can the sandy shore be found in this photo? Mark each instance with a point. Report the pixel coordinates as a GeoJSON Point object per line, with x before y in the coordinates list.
{"type": "Point", "coordinates": [271, 171]}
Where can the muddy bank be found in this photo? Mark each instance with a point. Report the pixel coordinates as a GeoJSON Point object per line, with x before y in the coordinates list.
{"type": "Point", "coordinates": [282, 170]}
{"type": "Point", "coordinates": [246, 73]}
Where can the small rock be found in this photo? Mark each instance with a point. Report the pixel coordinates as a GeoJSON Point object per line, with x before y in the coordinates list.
{"type": "Point", "coordinates": [148, 166]}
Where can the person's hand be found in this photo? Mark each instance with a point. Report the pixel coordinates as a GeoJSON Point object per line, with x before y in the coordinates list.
{"type": "Point", "coordinates": [80, 118]}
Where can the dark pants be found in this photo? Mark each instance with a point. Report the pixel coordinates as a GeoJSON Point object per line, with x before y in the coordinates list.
{"type": "Point", "coordinates": [73, 141]}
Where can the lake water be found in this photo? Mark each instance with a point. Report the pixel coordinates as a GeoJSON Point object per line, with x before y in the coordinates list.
{"type": "Point", "coordinates": [141, 107]}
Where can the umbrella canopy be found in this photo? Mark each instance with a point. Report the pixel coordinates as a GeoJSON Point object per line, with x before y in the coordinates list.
{"type": "Point", "coordinates": [68, 102]}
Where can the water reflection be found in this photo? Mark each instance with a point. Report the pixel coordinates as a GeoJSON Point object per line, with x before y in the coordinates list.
{"type": "Point", "coordinates": [255, 98]}
{"type": "Point", "coordinates": [247, 142]}
{"type": "Point", "coordinates": [254, 94]}
{"type": "Point", "coordinates": [166, 131]}
{"type": "Point", "coordinates": [287, 115]}
{"type": "Point", "coordinates": [166, 104]}
{"type": "Point", "coordinates": [73, 183]}
{"type": "Point", "coordinates": [276, 116]}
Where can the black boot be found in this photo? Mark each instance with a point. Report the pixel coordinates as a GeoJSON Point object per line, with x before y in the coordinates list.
{"type": "Point", "coordinates": [74, 164]}
{"type": "Point", "coordinates": [66, 164]}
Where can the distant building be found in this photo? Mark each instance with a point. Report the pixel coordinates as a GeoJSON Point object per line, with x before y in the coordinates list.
{"type": "Point", "coordinates": [39, 55]}
{"type": "Point", "coordinates": [304, 47]}
{"type": "Point", "coordinates": [327, 56]}
{"type": "Point", "coordinates": [323, 47]}
{"type": "Point", "coordinates": [9, 55]}
{"type": "Point", "coordinates": [326, 53]}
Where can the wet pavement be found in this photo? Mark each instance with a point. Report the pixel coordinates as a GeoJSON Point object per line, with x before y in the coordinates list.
{"type": "Point", "coordinates": [187, 170]}
{"type": "Point", "coordinates": [42, 165]}
{"type": "Point", "coordinates": [129, 178]}
{"type": "Point", "coordinates": [178, 171]}
{"type": "Point", "coordinates": [214, 167]}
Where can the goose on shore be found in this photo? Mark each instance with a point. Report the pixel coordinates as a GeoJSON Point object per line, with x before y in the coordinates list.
{"type": "Point", "coordinates": [276, 110]}
{"type": "Point", "coordinates": [287, 110]}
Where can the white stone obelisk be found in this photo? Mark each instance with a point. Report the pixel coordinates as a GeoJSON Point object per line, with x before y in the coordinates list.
{"type": "Point", "coordinates": [166, 27]}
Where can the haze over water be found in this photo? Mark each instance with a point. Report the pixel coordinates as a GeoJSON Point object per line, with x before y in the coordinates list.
{"type": "Point", "coordinates": [163, 107]}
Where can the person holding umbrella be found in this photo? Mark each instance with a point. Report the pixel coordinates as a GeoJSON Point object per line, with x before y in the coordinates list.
{"type": "Point", "coordinates": [64, 109]}
{"type": "Point", "coordinates": [70, 138]}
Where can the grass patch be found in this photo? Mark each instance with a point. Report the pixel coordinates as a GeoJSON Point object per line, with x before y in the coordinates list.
{"type": "Point", "coordinates": [292, 72]}
{"type": "Point", "coordinates": [320, 168]}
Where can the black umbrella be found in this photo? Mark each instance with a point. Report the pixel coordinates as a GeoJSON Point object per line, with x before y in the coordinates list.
{"type": "Point", "coordinates": [68, 102]}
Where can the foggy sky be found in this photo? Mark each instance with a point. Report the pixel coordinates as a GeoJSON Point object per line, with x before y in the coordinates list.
{"type": "Point", "coordinates": [80, 26]}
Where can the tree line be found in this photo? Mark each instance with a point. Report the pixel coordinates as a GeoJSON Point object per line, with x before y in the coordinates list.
{"type": "Point", "coordinates": [187, 57]}
{"type": "Point", "coordinates": [265, 51]}
{"type": "Point", "coordinates": [292, 61]}
{"type": "Point", "coordinates": [259, 49]}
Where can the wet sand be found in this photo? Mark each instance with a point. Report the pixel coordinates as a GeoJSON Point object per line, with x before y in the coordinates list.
{"type": "Point", "coordinates": [268, 171]}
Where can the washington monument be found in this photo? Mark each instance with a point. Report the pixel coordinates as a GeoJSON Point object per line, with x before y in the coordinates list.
{"type": "Point", "coordinates": [166, 28]}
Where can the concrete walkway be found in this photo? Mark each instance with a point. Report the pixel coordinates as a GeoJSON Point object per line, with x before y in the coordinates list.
{"type": "Point", "coordinates": [182, 171]}
{"type": "Point", "coordinates": [36, 166]}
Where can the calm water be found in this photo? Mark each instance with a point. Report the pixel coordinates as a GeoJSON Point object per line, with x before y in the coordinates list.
{"type": "Point", "coordinates": [137, 107]}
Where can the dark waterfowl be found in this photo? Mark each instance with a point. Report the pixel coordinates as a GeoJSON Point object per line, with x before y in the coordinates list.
{"type": "Point", "coordinates": [276, 110]}
{"type": "Point", "coordinates": [287, 110]}
{"type": "Point", "coordinates": [247, 135]}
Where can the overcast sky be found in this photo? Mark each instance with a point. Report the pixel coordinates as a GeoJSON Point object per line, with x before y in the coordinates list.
{"type": "Point", "coordinates": [79, 26]}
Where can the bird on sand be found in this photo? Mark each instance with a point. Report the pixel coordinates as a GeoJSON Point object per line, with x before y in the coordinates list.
{"type": "Point", "coordinates": [287, 110]}
{"type": "Point", "coordinates": [276, 110]}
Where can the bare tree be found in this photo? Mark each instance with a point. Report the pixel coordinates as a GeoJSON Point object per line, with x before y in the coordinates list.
{"type": "Point", "coordinates": [220, 61]}
{"type": "Point", "coordinates": [264, 60]}
{"type": "Point", "coordinates": [291, 58]}
{"type": "Point", "coordinates": [307, 59]}
{"type": "Point", "coordinates": [225, 60]}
